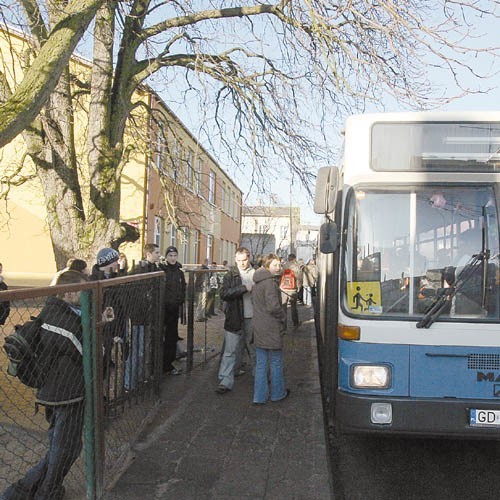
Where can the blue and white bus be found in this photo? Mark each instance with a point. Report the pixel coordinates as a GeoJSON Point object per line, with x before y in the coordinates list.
{"type": "Point", "coordinates": [409, 275]}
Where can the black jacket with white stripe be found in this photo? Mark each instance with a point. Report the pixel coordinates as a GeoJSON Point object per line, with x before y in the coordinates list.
{"type": "Point", "coordinates": [61, 342]}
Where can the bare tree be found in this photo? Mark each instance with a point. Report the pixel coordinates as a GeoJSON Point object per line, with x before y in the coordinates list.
{"type": "Point", "coordinates": [269, 80]}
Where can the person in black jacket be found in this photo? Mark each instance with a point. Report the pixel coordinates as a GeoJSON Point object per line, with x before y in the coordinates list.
{"type": "Point", "coordinates": [175, 291]}
{"type": "Point", "coordinates": [106, 267]}
{"type": "Point", "coordinates": [236, 292]}
{"type": "Point", "coordinates": [139, 355]}
{"type": "Point", "coordinates": [61, 394]}
{"type": "Point", "coordinates": [4, 305]}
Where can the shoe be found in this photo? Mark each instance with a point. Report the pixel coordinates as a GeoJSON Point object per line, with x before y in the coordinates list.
{"type": "Point", "coordinates": [257, 403]}
{"type": "Point", "coordinates": [181, 355]}
{"type": "Point", "coordinates": [239, 373]}
{"type": "Point", "coordinates": [174, 371]}
{"type": "Point", "coordinates": [180, 338]}
{"type": "Point", "coordinates": [201, 320]}
{"type": "Point", "coordinates": [222, 389]}
{"type": "Point", "coordinates": [287, 393]}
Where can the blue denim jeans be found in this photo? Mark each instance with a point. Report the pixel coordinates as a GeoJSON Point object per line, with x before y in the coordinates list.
{"type": "Point", "coordinates": [134, 366]}
{"type": "Point", "coordinates": [246, 345]}
{"type": "Point", "coordinates": [44, 481]}
{"type": "Point", "coordinates": [272, 358]}
{"type": "Point", "coordinates": [228, 362]}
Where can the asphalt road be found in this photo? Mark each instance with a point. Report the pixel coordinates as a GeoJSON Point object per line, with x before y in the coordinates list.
{"type": "Point", "coordinates": [382, 468]}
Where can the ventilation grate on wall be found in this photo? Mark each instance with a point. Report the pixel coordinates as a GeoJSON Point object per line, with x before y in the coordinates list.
{"type": "Point", "coordinates": [483, 361]}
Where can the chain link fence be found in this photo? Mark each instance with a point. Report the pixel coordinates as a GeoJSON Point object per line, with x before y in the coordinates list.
{"type": "Point", "coordinates": [122, 371]}
{"type": "Point", "coordinates": [121, 364]}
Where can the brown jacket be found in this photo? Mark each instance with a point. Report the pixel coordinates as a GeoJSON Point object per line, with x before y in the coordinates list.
{"type": "Point", "coordinates": [268, 320]}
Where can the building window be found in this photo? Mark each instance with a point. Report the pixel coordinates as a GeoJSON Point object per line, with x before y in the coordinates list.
{"type": "Point", "coordinates": [157, 230]}
{"type": "Point", "coordinates": [185, 245]}
{"type": "Point", "coordinates": [211, 187]}
{"type": "Point", "coordinates": [196, 235]}
{"type": "Point", "coordinates": [173, 235]}
{"type": "Point", "coordinates": [189, 170]}
{"type": "Point", "coordinates": [210, 243]}
{"type": "Point", "coordinates": [176, 160]}
{"type": "Point", "coordinates": [199, 184]}
{"type": "Point", "coordinates": [160, 147]}
{"type": "Point", "coordinates": [237, 206]}
{"type": "Point", "coordinates": [221, 252]}
{"type": "Point", "coordinates": [223, 197]}
{"type": "Point", "coordinates": [232, 204]}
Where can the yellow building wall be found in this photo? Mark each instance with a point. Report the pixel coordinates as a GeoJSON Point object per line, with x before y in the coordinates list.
{"type": "Point", "coordinates": [25, 247]}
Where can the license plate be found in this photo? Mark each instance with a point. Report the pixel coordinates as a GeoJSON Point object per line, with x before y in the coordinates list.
{"type": "Point", "coordinates": [485, 418]}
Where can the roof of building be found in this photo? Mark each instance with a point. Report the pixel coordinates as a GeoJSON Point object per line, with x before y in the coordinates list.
{"type": "Point", "coordinates": [266, 211]}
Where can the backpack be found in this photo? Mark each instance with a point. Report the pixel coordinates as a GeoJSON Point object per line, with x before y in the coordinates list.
{"type": "Point", "coordinates": [288, 280]}
{"type": "Point", "coordinates": [23, 349]}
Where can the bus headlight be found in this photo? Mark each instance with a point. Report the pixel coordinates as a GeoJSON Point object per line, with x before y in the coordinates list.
{"type": "Point", "coordinates": [370, 376]}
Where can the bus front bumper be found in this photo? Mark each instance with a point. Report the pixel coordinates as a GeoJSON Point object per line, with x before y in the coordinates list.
{"type": "Point", "coordinates": [418, 416]}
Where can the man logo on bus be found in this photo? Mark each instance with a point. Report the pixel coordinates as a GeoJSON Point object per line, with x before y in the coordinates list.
{"type": "Point", "coordinates": [487, 377]}
{"type": "Point", "coordinates": [496, 391]}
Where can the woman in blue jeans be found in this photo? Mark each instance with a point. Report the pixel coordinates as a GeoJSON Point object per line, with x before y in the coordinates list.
{"type": "Point", "coordinates": [268, 329]}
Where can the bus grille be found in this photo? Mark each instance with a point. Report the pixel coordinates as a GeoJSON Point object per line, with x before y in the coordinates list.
{"type": "Point", "coordinates": [483, 361]}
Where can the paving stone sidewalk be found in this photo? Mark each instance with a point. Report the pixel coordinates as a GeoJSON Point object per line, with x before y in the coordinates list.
{"type": "Point", "coordinates": [203, 445]}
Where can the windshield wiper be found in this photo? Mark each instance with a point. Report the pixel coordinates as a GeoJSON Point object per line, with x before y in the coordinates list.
{"type": "Point", "coordinates": [445, 295]}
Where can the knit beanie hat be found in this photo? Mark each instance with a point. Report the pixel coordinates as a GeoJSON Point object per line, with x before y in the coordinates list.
{"type": "Point", "coordinates": [107, 256]}
{"type": "Point", "coordinates": [170, 249]}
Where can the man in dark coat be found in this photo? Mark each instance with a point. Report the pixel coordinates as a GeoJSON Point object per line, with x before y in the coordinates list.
{"type": "Point", "coordinates": [61, 394]}
{"type": "Point", "coordinates": [236, 292]}
{"type": "Point", "coordinates": [106, 267]}
{"type": "Point", "coordinates": [139, 342]}
{"type": "Point", "coordinates": [175, 291]}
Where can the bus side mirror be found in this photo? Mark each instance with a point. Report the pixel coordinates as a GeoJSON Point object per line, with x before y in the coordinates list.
{"type": "Point", "coordinates": [328, 237]}
{"type": "Point", "coordinates": [325, 197]}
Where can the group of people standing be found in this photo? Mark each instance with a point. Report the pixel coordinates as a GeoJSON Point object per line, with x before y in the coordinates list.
{"type": "Point", "coordinates": [256, 321]}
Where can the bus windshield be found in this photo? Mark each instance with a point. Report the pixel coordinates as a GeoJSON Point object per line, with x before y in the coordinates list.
{"type": "Point", "coordinates": [404, 246]}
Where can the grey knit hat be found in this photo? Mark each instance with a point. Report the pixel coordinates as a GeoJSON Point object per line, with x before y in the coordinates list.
{"type": "Point", "coordinates": [106, 256]}
{"type": "Point", "coordinates": [170, 249]}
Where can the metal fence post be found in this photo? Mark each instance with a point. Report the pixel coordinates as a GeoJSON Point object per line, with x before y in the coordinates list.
{"type": "Point", "coordinates": [89, 374]}
{"type": "Point", "coordinates": [190, 321]}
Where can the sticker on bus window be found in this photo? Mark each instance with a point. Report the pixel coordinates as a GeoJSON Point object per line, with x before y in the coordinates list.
{"type": "Point", "coordinates": [364, 297]}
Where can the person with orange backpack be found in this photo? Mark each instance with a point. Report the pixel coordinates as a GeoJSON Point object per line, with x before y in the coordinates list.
{"type": "Point", "coordinates": [291, 281]}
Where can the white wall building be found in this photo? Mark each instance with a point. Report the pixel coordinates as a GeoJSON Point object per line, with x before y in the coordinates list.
{"type": "Point", "coordinates": [306, 242]}
{"type": "Point", "coordinates": [266, 223]}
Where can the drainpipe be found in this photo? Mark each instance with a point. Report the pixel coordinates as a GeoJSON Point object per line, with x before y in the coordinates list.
{"type": "Point", "coordinates": [146, 186]}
